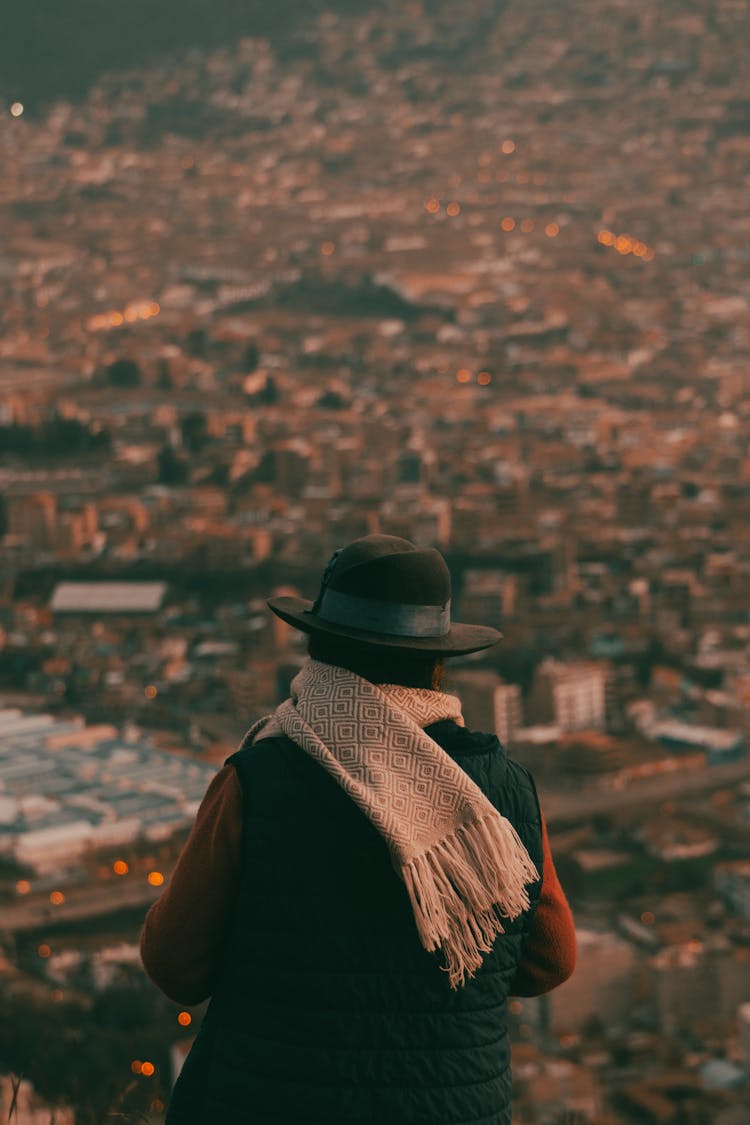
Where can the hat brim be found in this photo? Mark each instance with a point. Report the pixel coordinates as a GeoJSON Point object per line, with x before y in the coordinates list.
{"type": "Point", "coordinates": [461, 640]}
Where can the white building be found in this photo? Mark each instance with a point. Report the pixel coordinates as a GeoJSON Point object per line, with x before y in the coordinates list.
{"type": "Point", "coordinates": [571, 696]}
{"type": "Point", "coordinates": [489, 704]}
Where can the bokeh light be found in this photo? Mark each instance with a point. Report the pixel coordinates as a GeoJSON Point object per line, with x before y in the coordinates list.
{"type": "Point", "coordinates": [155, 878]}
{"type": "Point", "coordinates": [625, 244]}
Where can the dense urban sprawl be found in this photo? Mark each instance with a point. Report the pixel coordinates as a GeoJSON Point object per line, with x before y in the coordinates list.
{"type": "Point", "coordinates": [477, 275]}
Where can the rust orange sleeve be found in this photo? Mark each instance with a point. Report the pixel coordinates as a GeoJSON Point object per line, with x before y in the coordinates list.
{"type": "Point", "coordinates": [185, 928]}
{"type": "Point", "coordinates": [549, 952]}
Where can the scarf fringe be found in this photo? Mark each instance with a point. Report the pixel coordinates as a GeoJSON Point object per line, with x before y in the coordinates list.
{"type": "Point", "coordinates": [461, 888]}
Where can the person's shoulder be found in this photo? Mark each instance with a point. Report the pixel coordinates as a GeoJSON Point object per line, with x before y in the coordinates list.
{"type": "Point", "coordinates": [460, 740]}
{"type": "Point", "coordinates": [255, 747]}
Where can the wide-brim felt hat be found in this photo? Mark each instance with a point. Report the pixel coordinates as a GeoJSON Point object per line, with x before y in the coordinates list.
{"type": "Point", "coordinates": [384, 592]}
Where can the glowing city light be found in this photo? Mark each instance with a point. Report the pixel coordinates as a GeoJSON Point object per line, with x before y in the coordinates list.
{"type": "Point", "coordinates": [147, 1069]}
{"type": "Point", "coordinates": [16, 109]}
{"type": "Point", "coordinates": [135, 311]}
{"type": "Point", "coordinates": [453, 209]}
{"type": "Point", "coordinates": [155, 878]}
{"type": "Point", "coordinates": [527, 226]}
{"type": "Point", "coordinates": [136, 1065]}
{"type": "Point", "coordinates": [23, 886]}
{"type": "Point", "coordinates": [44, 950]}
{"type": "Point", "coordinates": [552, 230]}
{"type": "Point", "coordinates": [151, 691]}
{"type": "Point", "coordinates": [463, 375]}
{"type": "Point", "coordinates": [647, 918]}
{"type": "Point", "coordinates": [625, 244]}
{"type": "Point", "coordinates": [432, 205]}
{"type": "Point", "coordinates": [120, 867]}
{"type": "Point", "coordinates": [484, 378]}
{"type": "Point", "coordinates": [328, 248]}
{"type": "Point", "coordinates": [508, 147]}
{"type": "Point", "coordinates": [508, 224]}
{"type": "Point", "coordinates": [184, 1019]}
{"type": "Point", "coordinates": [57, 898]}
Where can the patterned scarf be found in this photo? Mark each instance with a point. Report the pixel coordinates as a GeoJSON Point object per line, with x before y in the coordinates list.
{"type": "Point", "coordinates": [462, 862]}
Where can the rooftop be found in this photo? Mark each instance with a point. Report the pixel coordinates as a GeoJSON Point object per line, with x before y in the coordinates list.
{"type": "Point", "coordinates": [108, 597]}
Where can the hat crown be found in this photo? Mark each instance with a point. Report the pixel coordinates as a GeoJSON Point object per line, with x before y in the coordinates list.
{"type": "Point", "coordinates": [389, 569]}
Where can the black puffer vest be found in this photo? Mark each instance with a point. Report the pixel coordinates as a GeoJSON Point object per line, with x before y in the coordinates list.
{"type": "Point", "coordinates": [328, 1010]}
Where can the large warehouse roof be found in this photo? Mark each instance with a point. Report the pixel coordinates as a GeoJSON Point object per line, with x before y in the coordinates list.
{"type": "Point", "coordinates": [108, 597]}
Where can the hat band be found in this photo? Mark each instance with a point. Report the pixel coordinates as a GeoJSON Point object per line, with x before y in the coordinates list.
{"type": "Point", "coordinates": [394, 618]}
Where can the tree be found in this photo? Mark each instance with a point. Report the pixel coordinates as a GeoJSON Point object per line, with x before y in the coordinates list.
{"type": "Point", "coordinates": [124, 373]}
{"type": "Point", "coordinates": [331, 400]}
{"type": "Point", "coordinates": [194, 431]}
{"type": "Point", "coordinates": [164, 375]}
{"type": "Point", "coordinates": [197, 342]}
{"type": "Point", "coordinates": [172, 469]}
{"type": "Point", "coordinates": [250, 358]}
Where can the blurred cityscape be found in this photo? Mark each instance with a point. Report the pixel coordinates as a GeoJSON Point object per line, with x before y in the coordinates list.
{"type": "Point", "coordinates": [475, 274]}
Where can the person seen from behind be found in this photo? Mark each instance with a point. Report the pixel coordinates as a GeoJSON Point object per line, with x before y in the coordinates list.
{"type": "Point", "coordinates": [367, 881]}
